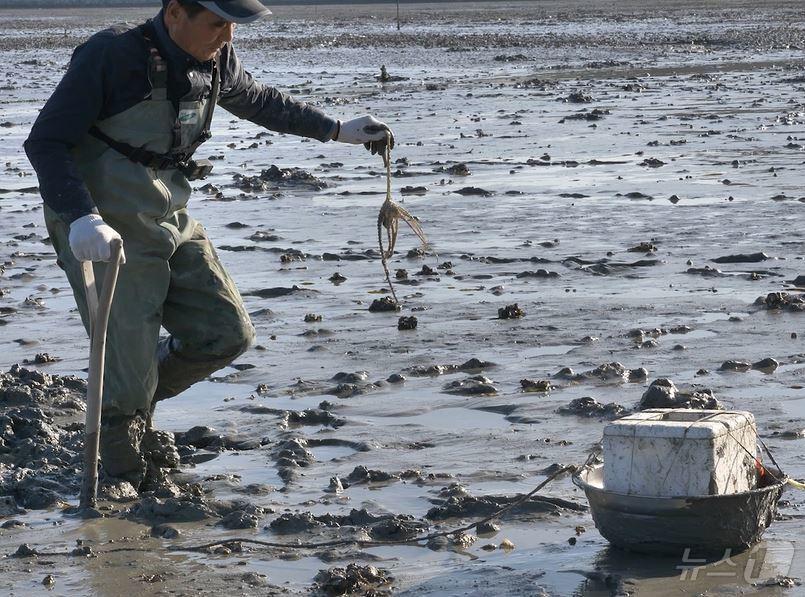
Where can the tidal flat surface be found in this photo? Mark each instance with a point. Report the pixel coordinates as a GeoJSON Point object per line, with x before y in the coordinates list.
{"type": "Point", "coordinates": [629, 175]}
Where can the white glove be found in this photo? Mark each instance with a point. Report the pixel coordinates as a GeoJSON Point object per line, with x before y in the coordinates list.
{"type": "Point", "coordinates": [363, 129]}
{"type": "Point", "coordinates": [367, 130]}
{"type": "Point", "coordinates": [91, 237]}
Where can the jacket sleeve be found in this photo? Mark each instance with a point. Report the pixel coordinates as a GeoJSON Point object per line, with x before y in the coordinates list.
{"type": "Point", "coordinates": [61, 125]}
{"type": "Point", "coordinates": [245, 98]}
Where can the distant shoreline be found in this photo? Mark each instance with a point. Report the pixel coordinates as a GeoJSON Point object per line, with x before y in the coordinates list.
{"type": "Point", "coordinates": [140, 3]}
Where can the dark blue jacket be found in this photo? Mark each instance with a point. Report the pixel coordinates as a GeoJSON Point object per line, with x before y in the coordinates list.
{"type": "Point", "coordinates": [109, 74]}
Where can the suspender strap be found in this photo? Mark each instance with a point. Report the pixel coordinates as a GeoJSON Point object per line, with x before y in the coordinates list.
{"type": "Point", "coordinates": [157, 67]}
{"type": "Point", "coordinates": [209, 109]}
{"type": "Point", "coordinates": [139, 155]}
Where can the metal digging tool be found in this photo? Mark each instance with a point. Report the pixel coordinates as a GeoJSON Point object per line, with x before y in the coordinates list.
{"type": "Point", "coordinates": [99, 321]}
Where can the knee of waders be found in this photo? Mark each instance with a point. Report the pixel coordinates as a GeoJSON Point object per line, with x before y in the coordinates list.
{"type": "Point", "coordinates": [236, 341]}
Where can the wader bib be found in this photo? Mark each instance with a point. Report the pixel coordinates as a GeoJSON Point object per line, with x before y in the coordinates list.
{"type": "Point", "coordinates": [172, 277]}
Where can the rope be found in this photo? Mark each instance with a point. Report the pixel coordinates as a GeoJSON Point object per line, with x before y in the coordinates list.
{"type": "Point", "coordinates": [370, 543]}
{"type": "Point", "coordinates": [317, 545]}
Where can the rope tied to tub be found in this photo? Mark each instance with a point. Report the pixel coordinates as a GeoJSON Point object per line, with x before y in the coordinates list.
{"type": "Point", "coordinates": [27, 551]}
{"type": "Point", "coordinates": [377, 543]}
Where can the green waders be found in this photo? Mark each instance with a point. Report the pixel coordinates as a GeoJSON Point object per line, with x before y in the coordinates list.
{"type": "Point", "coordinates": [172, 277]}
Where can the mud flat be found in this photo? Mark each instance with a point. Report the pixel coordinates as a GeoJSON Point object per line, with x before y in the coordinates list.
{"type": "Point", "coordinates": [628, 177]}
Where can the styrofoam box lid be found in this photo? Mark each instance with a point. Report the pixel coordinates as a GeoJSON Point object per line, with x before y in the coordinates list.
{"type": "Point", "coordinates": [680, 423]}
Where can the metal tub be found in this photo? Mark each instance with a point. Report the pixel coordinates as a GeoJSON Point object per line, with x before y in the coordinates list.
{"type": "Point", "coordinates": [708, 525]}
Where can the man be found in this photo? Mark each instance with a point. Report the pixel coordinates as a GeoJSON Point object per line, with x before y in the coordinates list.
{"type": "Point", "coordinates": [113, 151]}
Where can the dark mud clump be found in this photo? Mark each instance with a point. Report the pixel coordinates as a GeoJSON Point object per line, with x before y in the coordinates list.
{"type": "Point", "coordinates": [536, 385]}
{"type": "Point", "coordinates": [384, 305]}
{"type": "Point", "coordinates": [41, 359]}
{"type": "Point", "coordinates": [407, 323]}
{"type": "Point", "coordinates": [355, 377]}
{"type": "Point", "coordinates": [348, 390]}
{"type": "Point", "coordinates": [293, 523]}
{"type": "Point", "coordinates": [652, 163]}
{"type": "Point", "coordinates": [275, 177]}
{"type": "Point", "coordinates": [278, 291]}
{"type": "Point", "coordinates": [175, 509]}
{"type": "Point", "coordinates": [41, 437]}
{"type": "Point", "coordinates": [202, 437]}
{"type": "Point", "coordinates": [411, 190]}
{"type": "Point", "coordinates": [354, 580]}
{"type": "Point", "coordinates": [292, 455]}
{"type": "Point", "coordinates": [361, 474]}
{"type": "Point", "coordinates": [312, 416]}
{"type": "Point", "coordinates": [644, 247]}
{"type": "Point", "coordinates": [242, 516]}
{"type": "Point", "coordinates": [742, 258]}
{"type": "Point", "coordinates": [540, 273]}
{"type": "Point", "coordinates": [192, 506]}
{"type": "Point", "coordinates": [578, 97]}
{"type": "Point", "coordinates": [733, 365]}
{"type": "Point", "coordinates": [472, 365]}
{"type": "Point", "coordinates": [477, 385]}
{"type": "Point", "coordinates": [476, 191]}
{"type": "Point", "coordinates": [606, 372]}
{"type": "Point", "coordinates": [783, 301]}
{"type": "Point", "coordinates": [662, 393]}
{"type": "Point", "coordinates": [588, 406]}
{"type": "Point", "coordinates": [510, 312]}
{"type": "Point", "coordinates": [358, 523]}
{"type": "Point", "coordinates": [459, 169]}
{"type": "Point", "coordinates": [591, 116]}
{"type": "Point", "coordinates": [767, 365]}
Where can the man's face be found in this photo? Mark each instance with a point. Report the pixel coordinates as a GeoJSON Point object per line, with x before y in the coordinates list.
{"type": "Point", "coordinates": [201, 35]}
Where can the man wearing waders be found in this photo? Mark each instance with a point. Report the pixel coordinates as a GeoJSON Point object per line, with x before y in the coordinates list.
{"type": "Point", "coordinates": [113, 149]}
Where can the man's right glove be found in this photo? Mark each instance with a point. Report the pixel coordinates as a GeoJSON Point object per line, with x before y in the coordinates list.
{"type": "Point", "coordinates": [90, 239]}
{"type": "Point", "coordinates": [367, 130]}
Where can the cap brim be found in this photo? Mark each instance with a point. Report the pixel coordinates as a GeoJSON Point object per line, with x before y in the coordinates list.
{"type": "Point", "coordinates": [236, 11]}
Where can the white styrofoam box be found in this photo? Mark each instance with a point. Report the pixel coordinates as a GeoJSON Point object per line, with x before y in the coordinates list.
{"type": "Point", "coordinates": [664, 452]}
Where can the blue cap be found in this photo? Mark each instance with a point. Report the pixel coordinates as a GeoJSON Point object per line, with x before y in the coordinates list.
{"type": "Point", "coordinates": [236, 11]}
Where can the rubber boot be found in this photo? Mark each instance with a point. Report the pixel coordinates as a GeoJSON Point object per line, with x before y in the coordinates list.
{"type": "Point", "coordinates": [121, 447]}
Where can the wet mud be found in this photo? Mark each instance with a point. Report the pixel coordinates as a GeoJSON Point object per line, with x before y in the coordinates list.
{"type": "Point", "coordinates": [646, 252]}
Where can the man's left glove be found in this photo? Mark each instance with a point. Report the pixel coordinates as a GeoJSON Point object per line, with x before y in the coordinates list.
{"type": "Point", "coordinates": [367, 130]}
